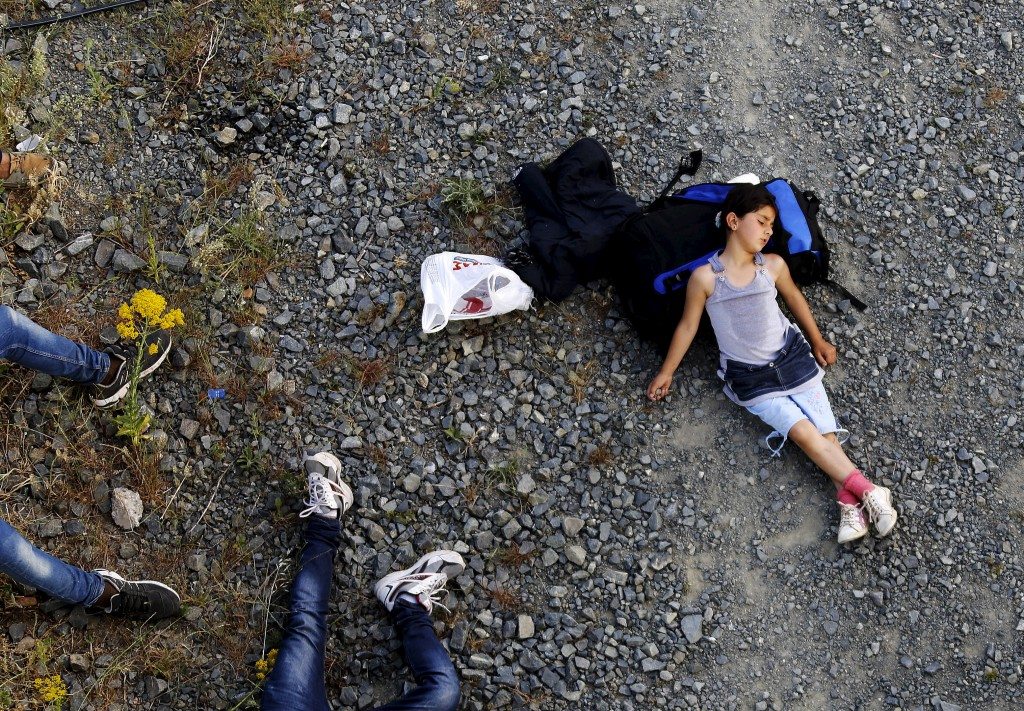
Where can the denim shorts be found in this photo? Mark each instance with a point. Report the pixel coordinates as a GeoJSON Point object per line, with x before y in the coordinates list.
{"type": "Point", "coordinates": [781, 413]}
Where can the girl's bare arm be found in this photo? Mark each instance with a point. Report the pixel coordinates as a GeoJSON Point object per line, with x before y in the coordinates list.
{"type": "Point", "coordinates": [824, 352]}
{"type": "Point", "coordinates": [696, 295]}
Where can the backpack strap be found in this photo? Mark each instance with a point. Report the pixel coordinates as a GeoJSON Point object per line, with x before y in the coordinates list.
{"type": "Point", "coordinates": [854, 301]}
{"type": "Point", "coordinates": [688, 165]}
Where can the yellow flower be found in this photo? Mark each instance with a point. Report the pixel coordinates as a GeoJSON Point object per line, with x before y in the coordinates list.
{"type": "Point", "coordinates": [264, 666]}
{"type": "Point", "coordinates": [172, 318]}
{"type": "Point", "coordinates": [152, 349]}
{"type": "Point", "coordinates": [51, 688]}
{"type": "Point", "coordinates": [127, 330]}
{"type": "Point", "coordinates": [149, 305]}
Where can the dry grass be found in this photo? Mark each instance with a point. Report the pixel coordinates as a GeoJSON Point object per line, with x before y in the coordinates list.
{"type": "Point", "coordinates": [368, 373]}
{"type": "Point", "coordinates": [601, 456]}
{"type": "Point", "coordinates": [512, 556]}
{"type": "Point", "coordinates": [218, 187]}
{"type": "Point", "coordinates": [382, 143]}
{"type": "Point", "coordinates": [505, 598]}
{"type": "Point", "coordinates": [68, 317]}
{"type": "Point", "coordinates": [327, 359]}
{"type": "Point", "coordinates": [995, 96]}
{"type": "Point", "coordinates": [17, 9]}
{"type": "Point", "coordinates": [378, 455]}
{"type": "Point", "coordinates": [289, 56]}
{"type": "Point", "coordinates": [244, 249]}
{"type": "Point", "coordinates": [581, 378]}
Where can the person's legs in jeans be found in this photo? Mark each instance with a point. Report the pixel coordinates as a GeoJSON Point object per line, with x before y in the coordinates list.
{"type": "Point", "coordinates": [101, 589]}
{"type": "Point", "coordinates": [409, 596]}
{"type": "Point", "coordinates": [437, 684]}
{"type": "Point", "coordinates": [28, 344]}
{"type": "Point", "coordinates": [30, 566]}
{"type": "Point", "coordinates": [296, 682]}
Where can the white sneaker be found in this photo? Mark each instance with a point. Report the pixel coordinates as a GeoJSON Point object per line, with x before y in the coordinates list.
{"type": "Point", "coordinates": [329, 496]}
{"type": "Point", "coordinates": [878, 503]}
{"type": "Point", "coordinates": [424, 580]}
{"type": "Point", "coordinates": [852, 522]}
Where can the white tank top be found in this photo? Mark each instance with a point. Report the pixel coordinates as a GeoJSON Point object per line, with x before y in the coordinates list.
{"type": "Point", "coordinates": [749, 325]}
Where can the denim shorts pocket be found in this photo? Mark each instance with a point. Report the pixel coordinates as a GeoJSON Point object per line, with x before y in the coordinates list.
{"type": "Point", "coordinates": [747, 382]}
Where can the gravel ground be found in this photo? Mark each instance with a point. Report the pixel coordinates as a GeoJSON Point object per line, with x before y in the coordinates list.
{"type": "Point", "coordinates": [621, 555]}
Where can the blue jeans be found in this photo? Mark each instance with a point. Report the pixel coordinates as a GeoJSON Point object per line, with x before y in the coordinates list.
{"type": "Point", "coordinates": [297, 680]}
{"type": "Point", "coordinates": [28, 565]}
{"type": "Point", "coordinates": [29, 344]}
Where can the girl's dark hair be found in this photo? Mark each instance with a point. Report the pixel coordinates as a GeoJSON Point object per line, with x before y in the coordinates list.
{"type": "Point", "coordinates": [745, 198]}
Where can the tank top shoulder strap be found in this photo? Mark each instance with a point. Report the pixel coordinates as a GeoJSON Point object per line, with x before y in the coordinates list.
{"type": "Point", "coordinates": [716, 264]}
{"type": "Point", "coordinates": [759, 259]}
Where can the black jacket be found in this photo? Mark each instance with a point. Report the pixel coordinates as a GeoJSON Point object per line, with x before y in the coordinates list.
{"type": "Point", "coordinates": [572, 208]}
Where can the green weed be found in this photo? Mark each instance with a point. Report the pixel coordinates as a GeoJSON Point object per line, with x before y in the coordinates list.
{"type": "Point", "coordinates": [444, 85]}
{"type": "Point", "coordinates": [454, 434]}
{"type": "Point", "coordinates": [403, 517]}
{"type": "Point", "coordinates": [244, 249]}
{"type": "Point", "coordinates": [268, 17]}
{"type": "Point", "coordinates": [251, 460]}
{"type": "Point", "coordinates": [463, 197]}
{"type": "Point", "coordinates": [11, 223]}
{"type": "Point", "coordinates": [99, 88]}
{"type": "Point", "coordinates": [504, 472]}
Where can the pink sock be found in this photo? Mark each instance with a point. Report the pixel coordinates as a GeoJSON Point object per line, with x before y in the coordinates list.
{"type": "Point", "coordinates": [857, 484]}
{"type": "Point", "coordinates": [845, 497]}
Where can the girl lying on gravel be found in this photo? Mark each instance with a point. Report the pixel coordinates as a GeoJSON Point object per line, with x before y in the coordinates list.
{"type": "Point", "coordinates": [767, 364]}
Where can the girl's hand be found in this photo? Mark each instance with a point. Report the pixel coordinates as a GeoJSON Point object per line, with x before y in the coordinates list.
{"type": "Point", "coordinates": [824, 353]}
{"type": "Point", "coordinates": [659, 386]}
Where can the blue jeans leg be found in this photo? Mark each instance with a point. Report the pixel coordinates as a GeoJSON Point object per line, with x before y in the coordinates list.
{"type": "Point", "coordinates": [297, 680]}
{"type": "Point", "coordinates": [437, 684]}
{"type": "Point", "coordinates": [29, 344]}
{"type": "Point", "coordinates": [28, 565]}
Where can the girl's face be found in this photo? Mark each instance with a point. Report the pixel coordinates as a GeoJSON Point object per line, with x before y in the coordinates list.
{"type": "Point", "coordinates": [753, 229]}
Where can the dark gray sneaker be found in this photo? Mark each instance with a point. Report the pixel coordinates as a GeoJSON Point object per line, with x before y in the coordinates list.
{"type": "Point", "coordinates": [140, 599]}
{"type": "Point", "coordinates": [111, 393]}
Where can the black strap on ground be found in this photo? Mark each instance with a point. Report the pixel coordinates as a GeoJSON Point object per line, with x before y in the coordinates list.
{"type": "Point", "coordinates": [42, 21]}
{"type": "Point", "coordinates": [689, 165]}
{"type": "Point", "coordinates": [854, 301]}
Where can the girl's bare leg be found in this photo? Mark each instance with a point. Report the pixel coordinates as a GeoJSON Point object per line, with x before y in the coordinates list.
{"type": "Point", "coordinates": [823, 450]}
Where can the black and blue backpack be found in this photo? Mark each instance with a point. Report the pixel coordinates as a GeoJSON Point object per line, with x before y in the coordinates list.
{"type": "Point", "coordinates": [653, 253]}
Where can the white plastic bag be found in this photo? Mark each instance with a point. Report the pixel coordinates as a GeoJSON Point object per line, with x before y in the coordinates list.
{"type": "Point", "coordinates": [463, 286]}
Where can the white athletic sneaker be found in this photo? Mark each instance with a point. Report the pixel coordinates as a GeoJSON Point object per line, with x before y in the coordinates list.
{"type": "Point", "coordinates": [878, 504]}
{"type": "Point", "coordinates": [329, 496]}
{"type": "Point", "coordinates": [424, 580]}
{"type": "Point", "coordinates": [852, 522]}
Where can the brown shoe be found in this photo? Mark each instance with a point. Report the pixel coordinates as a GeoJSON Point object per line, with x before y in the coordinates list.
{"type": "Point", "coordinates": [22, 168]}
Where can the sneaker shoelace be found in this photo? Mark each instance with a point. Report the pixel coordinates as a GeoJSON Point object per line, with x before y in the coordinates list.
{"type": "Point", "coordinates": [852, 516]}
{"type": "Point", "coordinates": [130, 601]}
{"type": "Point", "coordinates": [873, 504]}
{"type": "Point", "coordinates": [321, 493]}
{"type": "Point", "coordinates": [432, 590]}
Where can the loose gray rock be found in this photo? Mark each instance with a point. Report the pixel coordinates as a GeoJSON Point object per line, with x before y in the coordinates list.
{"type": "Point", "coordinates": [693, 628]}
{"type": "Point", "coordinates": [125, 508]}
